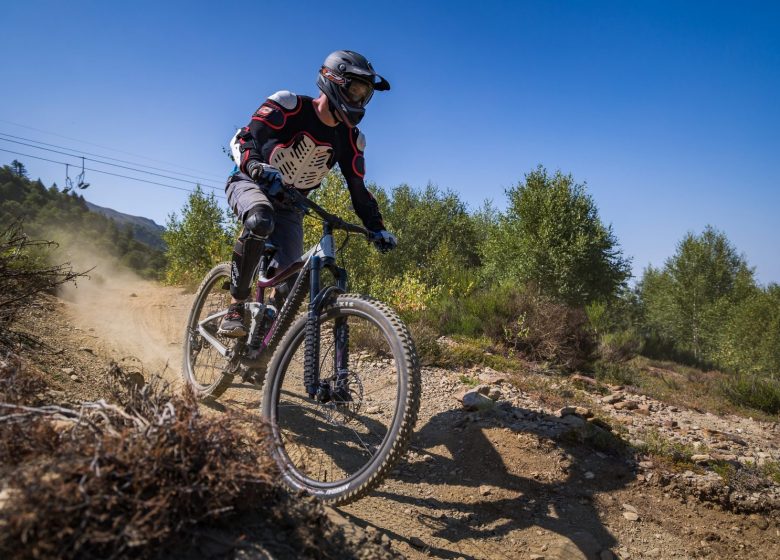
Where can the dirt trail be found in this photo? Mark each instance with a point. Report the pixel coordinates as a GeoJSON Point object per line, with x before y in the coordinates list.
{"type": "Point", "coordinates": [131, 317]}
{"type": "Point", "coordinates": [505, 483]}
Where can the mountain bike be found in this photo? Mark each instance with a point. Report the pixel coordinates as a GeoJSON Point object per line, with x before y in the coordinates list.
{"type": "Point", "coordinates": [341, 380]}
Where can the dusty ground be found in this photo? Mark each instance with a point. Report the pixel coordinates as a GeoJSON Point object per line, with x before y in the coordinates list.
{"type": "Point", "coordinates": [515, 481]}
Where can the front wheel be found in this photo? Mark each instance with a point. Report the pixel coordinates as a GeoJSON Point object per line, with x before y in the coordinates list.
{"type": "Point", "coordinates": [340, 449]}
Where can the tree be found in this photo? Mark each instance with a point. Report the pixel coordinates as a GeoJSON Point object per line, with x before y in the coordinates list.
{"type": "Point", "coordinates": [551, 236]}
{"type": "Point", "coordinates": [199, 240]}
{"type": "Point", "coordinates": [19, 169]}
{"type": "Point", "coordinates": [688, 300]}
{"type": "Point", "coordinates": [750, 339]}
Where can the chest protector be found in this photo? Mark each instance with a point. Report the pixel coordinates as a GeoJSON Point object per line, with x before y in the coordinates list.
{"type": "Point", "coordinates": [303, 162]}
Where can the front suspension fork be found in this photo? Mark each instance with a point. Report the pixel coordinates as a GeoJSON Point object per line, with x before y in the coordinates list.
{"type": "Point", "coordinates": [317, 300]}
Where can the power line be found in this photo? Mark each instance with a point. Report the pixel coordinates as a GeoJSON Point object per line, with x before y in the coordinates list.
{"type": "Point", "coordinates": [102, 156]}
{"type": "Point", "coordinates": [100, 146]}
{"type": "Point", "coordinates": [109, 173]}
{"type": "Point", "coordinates": [108, 163]}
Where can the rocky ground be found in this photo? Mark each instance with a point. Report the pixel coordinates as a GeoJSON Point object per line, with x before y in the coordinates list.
{"type": "Point", "coordinates": [501, 466]}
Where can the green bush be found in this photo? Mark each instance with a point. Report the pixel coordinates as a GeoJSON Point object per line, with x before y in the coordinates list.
{"type": "Point", "coordinates": [750, 338]}
{"type": "Point", "coordinates": [201, 238]}
{"type": "Point", "coordinates": [619, 346]}
{"type": "Point", "coordinates": [551, 236]}
{"type": "Point", "coordinates": [687, 302]}
{"type": "Point", "coordinates": [753, 391]}
{"type": "Point", "coordinates": [618, 373]}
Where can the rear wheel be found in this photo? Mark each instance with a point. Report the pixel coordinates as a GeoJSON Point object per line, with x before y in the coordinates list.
{"type": "Point", "coordinates": [204, 368]}
{"type": "Point", "coordinates": [341, 449]}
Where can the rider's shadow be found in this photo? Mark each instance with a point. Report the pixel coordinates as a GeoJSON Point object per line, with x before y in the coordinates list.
{"type": "Point", "coordinates": [563, 504]}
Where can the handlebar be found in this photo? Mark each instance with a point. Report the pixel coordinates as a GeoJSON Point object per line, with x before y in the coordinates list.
{"type": "Point", "coordinates": [331, 219]}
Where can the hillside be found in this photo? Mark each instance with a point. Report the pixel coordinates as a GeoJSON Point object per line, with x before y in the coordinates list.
{"type": "Point", "coordinates": [144, 230]}
{"type": "Point", "coordinates": [48, 213]}
{"type": "Point", "coordinates": [558, 468]}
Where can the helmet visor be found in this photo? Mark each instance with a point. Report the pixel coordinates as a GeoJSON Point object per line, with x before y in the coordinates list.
{"type": "Point", "coordinates": [357, 92]}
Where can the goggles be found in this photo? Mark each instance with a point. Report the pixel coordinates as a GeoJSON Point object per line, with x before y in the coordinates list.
{"type": "Point", "coordinates": [357, 92]}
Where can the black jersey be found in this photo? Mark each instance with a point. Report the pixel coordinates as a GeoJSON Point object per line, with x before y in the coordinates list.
{"type": "Point", "coordinates": [288, 124]}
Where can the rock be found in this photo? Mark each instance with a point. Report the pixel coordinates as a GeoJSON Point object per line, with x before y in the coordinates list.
{"type": "Point", "coordinates": [578, 410]}
{"type": "Point", "coordinates": [67, 370]}
{"type": "Point", "coordinates": [670, 424]}
{"type": "Point", "coordinates": [626, 405]}
{"type": "Point", "coordinates": [589, 475]}
{"type": "Point", "coordinates": [612, 399]}
{"type": "Point", "coordinates": [485, 490]}
{"type": "Point", "coordinates": [417, 542]}
{"type": "Point", "coordinates": [584, 380]}
{"type": "Point", "coordinates": [474, 400]}
{"type": "Point", "coordinates": [491, 378]}
{"type": "Point", "coordinates": [133, 295]}
{"type": "Point", "coordinates": [643, 409]}
{"type": "Point", "coordinates": [375, 409]}
{"type": "Point", "coordinates": [482, 389]}
{"type": "Point", "coordinates": [494, 394]}
{"type": "Point", "coordinates": [74, 377]}
{"type": "Point", "coordinates": [536, 556]}
{"type": "Point", "coordinates": [653, 553]}
{"type": "Point", "coordinates": [583, 411]}
{"type": "Point", "coordinates": [631, 516]}
{"type": "Point", "coordinates": [629, 507]}
{"type": "Point", "coordinates": [645, 464]}
{"type": "Point", "coordinates": [724, 457]}
{"type": "Point", "coordinates": [701, 458]}
{"type": "Point", "coordinates": [87, 350]}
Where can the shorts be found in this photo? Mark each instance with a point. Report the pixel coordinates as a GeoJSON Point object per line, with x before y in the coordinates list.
{"type": "Point", "coordinates": [243, 194]}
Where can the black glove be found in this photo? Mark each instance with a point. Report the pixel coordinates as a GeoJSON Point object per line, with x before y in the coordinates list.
{"type": "Point", "coordinates": [255, 170]}
{"type": "Point", "coordinates": [266, 176]}
{"type": "Point", "coordinates": [383, 240]}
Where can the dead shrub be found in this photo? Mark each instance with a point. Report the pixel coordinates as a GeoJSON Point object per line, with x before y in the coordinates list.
{"type": "Point", "coordinates": [544, 330]}
{"type": "Point", "coordinates": [109, 481]}
{"type": "Point", "coordinates": [24, 273]}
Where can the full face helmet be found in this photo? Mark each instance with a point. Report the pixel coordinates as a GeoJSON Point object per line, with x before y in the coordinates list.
{"type": "Point", "coordinates": [348, 80]}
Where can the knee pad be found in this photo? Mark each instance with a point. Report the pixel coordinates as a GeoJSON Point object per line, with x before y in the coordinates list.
{"type": "Point", "coordinates": [260, 221]}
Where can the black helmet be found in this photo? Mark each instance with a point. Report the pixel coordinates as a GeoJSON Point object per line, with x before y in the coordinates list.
{"type": "Point", "coordinates": [348, 80]}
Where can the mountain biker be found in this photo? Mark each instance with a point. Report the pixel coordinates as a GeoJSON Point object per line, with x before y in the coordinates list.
{"type": "Point", "coordinates": [296, 139]}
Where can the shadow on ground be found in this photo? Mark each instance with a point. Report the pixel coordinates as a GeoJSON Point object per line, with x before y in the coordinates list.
{"type": "Point", "coordinates": [497, 476]}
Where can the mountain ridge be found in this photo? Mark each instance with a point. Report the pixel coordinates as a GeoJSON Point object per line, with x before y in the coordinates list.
{"type": "Point", "coordinates": [144, 229]}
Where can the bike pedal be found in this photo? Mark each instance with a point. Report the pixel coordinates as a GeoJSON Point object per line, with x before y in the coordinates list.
{"type": "Point", "coordinates": [233, 333]}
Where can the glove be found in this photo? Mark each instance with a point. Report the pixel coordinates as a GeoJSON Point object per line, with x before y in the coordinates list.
{"type": "Point", "coordinates": [265, 175]}
{"type": "Point", "coordinates": [261, 172]}
{"type": "Point", "coordinates": [383, 240]}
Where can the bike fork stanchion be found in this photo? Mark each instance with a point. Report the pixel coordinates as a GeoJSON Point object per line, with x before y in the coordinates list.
{"type": "Point", "coordinates": [311, 365]}
{"type": "Point", "coordinates": [341, 357]}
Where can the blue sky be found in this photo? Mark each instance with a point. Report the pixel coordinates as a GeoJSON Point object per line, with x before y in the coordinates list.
{"type": "Point", "coordinates": [668, 110]}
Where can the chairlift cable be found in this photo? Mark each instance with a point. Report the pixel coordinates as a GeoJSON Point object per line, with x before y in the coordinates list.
{"type": "Point", "coordinates": [214, 177]}
{"type": "Point", "coordinates": [109, 173]}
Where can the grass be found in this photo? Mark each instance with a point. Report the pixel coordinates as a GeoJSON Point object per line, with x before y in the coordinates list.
{"type": "Point", "coordinates": [771, 469]}
{"type": "Point", "coordinates": [469, 380]}
{"type": "Point", "coordinates": [678, 454]}
{"type": "Point", "coordinates": [690, 387]}
{"type": "Point", "coordinates": [752, 391]}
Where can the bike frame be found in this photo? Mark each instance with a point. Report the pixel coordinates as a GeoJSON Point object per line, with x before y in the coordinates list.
{"type": "Point", "coordinates": [310, 264]}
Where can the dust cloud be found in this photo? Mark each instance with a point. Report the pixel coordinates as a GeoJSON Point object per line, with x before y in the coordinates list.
{"type": "Point", "coordinates": [122, 315]}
